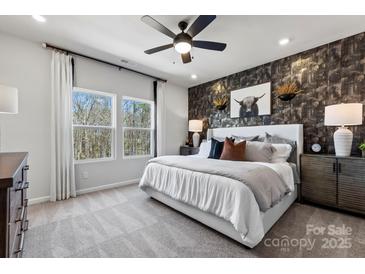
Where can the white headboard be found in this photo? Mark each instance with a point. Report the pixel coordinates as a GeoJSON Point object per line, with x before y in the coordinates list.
{"type": "Point", "coordinates": [292, 132]}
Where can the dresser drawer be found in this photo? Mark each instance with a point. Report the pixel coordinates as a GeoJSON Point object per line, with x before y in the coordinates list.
{"type": "Point", "coordinates": [15, 240]}
{"type": "Point", "coordinates": [25, 172]}
{"type": "Point", "coordinates": [16, 203]}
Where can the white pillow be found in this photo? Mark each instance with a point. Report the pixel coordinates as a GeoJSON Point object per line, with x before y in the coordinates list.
{"type": "Point", "coordinates": [204, 148]}
{"type": "Point", "coordinates": [281, 153]}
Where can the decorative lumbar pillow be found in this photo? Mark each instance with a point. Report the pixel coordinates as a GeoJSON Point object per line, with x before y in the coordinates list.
{"type": "Point", "coordinates": [216, 149]}
{"type": "Point", "coordinates": [204, 148]}
{"type": "Point", "coordinates": [282, 153]}
{"type": "Point", "coordinates": [232, 151]}
{"type": "Point", "coordinates": [247, 138]}
{"type": "Point", "coordinates": [259, 152]}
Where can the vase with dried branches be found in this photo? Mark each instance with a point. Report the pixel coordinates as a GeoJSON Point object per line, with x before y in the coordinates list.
{"type": "Point", "coordinates": [287, 91]}
{"type": "Point", "coordinates": [220, 102]}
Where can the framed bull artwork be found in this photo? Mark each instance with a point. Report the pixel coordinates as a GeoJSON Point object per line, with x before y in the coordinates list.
{"type": "Point", "coordinates": [251, 101]}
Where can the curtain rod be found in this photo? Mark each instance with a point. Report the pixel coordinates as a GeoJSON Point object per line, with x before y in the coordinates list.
{"type": "Point", "coordinates": [48, 46]}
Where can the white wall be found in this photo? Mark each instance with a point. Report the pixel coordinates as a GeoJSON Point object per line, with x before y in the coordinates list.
{"type": "Point", "coordinates": [176, 118]}
{"type": "Point", "coordinates": [26, 65]}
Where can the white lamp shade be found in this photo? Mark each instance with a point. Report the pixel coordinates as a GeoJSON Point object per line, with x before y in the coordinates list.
{"type": "Point", "coordinates": [195, 125]}
{"type": "Point", "coordinates": [8, 99]}
{"type": "Point", "coordinates": [343, 115]}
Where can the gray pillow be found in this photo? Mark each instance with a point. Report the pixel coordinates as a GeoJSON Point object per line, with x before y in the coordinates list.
{"type": "Point", "coordinates": [259, 152]}
{"type": "Point", "coordinates": [274, 139]}
{"type": "Point", "coordinates": [247, 138]}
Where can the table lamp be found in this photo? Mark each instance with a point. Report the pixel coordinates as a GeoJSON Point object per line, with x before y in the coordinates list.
{"type": "Point", "coordinates": [196, 126]}
{"type": "Point", "coordinates": [343, 115]}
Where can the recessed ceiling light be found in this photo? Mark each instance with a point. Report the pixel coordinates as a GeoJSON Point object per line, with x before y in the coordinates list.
{"type": "Point", "coordinates": [193, 76]}
{"type": "Point", "coordinates": [284, 41]}
{"type": "Point", "coordinates": [39, 18]}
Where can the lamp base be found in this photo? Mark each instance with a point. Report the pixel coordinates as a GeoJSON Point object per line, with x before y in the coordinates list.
{"type": "Point", "coordinates": [343, 141]}
{"type": "Point", "coordinates": [196, 139]}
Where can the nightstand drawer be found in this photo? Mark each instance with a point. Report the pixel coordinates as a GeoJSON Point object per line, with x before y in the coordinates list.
{"type": "Point", "coordinates": [185, 150]}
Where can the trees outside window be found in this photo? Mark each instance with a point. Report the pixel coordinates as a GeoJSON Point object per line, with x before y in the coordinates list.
{"type": "Point", "coordinates": [138, 127]}
{"type": "Point", "coordinates": [93, 124]}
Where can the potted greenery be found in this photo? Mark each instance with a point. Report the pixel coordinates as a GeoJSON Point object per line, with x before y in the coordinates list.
{"type": "Point", "coordinates": [362, 148]}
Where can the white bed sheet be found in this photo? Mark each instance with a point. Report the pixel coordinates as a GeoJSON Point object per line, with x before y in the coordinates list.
{"type": "Point", "coordinates": [224, 197]}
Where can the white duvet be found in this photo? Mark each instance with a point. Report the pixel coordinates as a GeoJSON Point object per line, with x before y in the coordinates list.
{"type": "Point", "coordinates": [224, 197]}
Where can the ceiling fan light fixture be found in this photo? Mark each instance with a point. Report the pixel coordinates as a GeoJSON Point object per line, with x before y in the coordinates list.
{"type": "Point", "coordinates": [182, 47]}
{"type": "Point", "coordinates": [183, 42]}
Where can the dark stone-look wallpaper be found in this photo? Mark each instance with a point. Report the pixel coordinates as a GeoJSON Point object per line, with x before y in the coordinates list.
{"type": "Point", "coordinates": [330, 74]}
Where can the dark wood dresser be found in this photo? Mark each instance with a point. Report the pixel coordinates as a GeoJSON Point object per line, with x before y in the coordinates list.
{"type": "Point", "coordinates": [13, 203]}
{"type": "Point", "coordinates": [337, 182]}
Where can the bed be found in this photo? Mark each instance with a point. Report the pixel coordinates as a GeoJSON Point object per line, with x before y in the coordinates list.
{"type": "Point", "coordinates": [223, 202]}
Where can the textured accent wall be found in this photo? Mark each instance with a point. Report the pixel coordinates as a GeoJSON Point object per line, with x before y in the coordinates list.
{"type": "Point", "coordinates": [330, 74]}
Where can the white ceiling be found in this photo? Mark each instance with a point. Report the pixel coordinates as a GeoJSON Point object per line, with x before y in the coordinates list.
{"type": "Point", "coordinates": [251, 40]}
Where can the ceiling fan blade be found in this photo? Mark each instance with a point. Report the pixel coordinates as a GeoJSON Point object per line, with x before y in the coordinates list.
{"type": "Point", "coordinates": [157, 26]}
{"type": "Point", "coordinates": [200, 23]}
{"type": "Point", "coordinates": [209, 45]}
{"type": "Point", "coordinates": [186, 58]}
{"type": "Point", "coordinates": [157, 49]}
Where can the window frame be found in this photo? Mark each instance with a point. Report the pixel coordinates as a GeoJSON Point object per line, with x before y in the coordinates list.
{"type": "Point", "coordinates": [113, 125]}
{"type": "Point", "coordinates": [151, 129]}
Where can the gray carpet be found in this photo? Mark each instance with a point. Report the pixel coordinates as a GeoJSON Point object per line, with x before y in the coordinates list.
{"type": "Point", "coordinates": [125, 222]}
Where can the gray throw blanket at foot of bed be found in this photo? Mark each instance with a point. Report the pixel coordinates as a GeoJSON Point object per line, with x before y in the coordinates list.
{"type": "Point", "coordinates": [266, 185]}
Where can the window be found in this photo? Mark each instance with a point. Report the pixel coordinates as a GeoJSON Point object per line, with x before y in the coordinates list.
{"type": "Point", "coordinates": [93, 124]}
{"type": "Point", "coordinates": [138, 127]}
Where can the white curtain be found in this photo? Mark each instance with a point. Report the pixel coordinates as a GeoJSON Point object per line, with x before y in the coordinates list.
{"type": "Point", "coordinates": [161, 119]}
{"type": "Point", "coordinates": [62, 170]}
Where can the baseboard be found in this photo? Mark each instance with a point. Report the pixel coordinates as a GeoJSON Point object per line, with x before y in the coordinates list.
{"type": "Point", "coordinates": [44, 199]}
{"type": "Point", "coordinates": [114, 185]}
{"type": "Point", "coordinates": [38, 200]}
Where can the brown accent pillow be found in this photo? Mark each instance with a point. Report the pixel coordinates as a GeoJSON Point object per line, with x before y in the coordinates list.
{"type": "Point", "coordinates": [232, 151]}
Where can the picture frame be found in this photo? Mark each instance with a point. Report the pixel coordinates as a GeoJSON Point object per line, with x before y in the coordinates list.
{"type": "Point", "coordinates": [251, 101]}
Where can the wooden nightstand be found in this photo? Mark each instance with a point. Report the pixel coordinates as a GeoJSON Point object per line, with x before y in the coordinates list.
{"type": "Point", "coordinates": [337, 182]}
{"type": "Point", "coordinates": [186, 150]}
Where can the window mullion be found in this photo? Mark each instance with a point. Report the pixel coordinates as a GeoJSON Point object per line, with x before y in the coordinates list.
{"type": "Point", "coordinates": [93, 126]}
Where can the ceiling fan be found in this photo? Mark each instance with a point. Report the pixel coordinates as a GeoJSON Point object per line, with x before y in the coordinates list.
{"type": "Point", "coordinates": [183, 42]}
